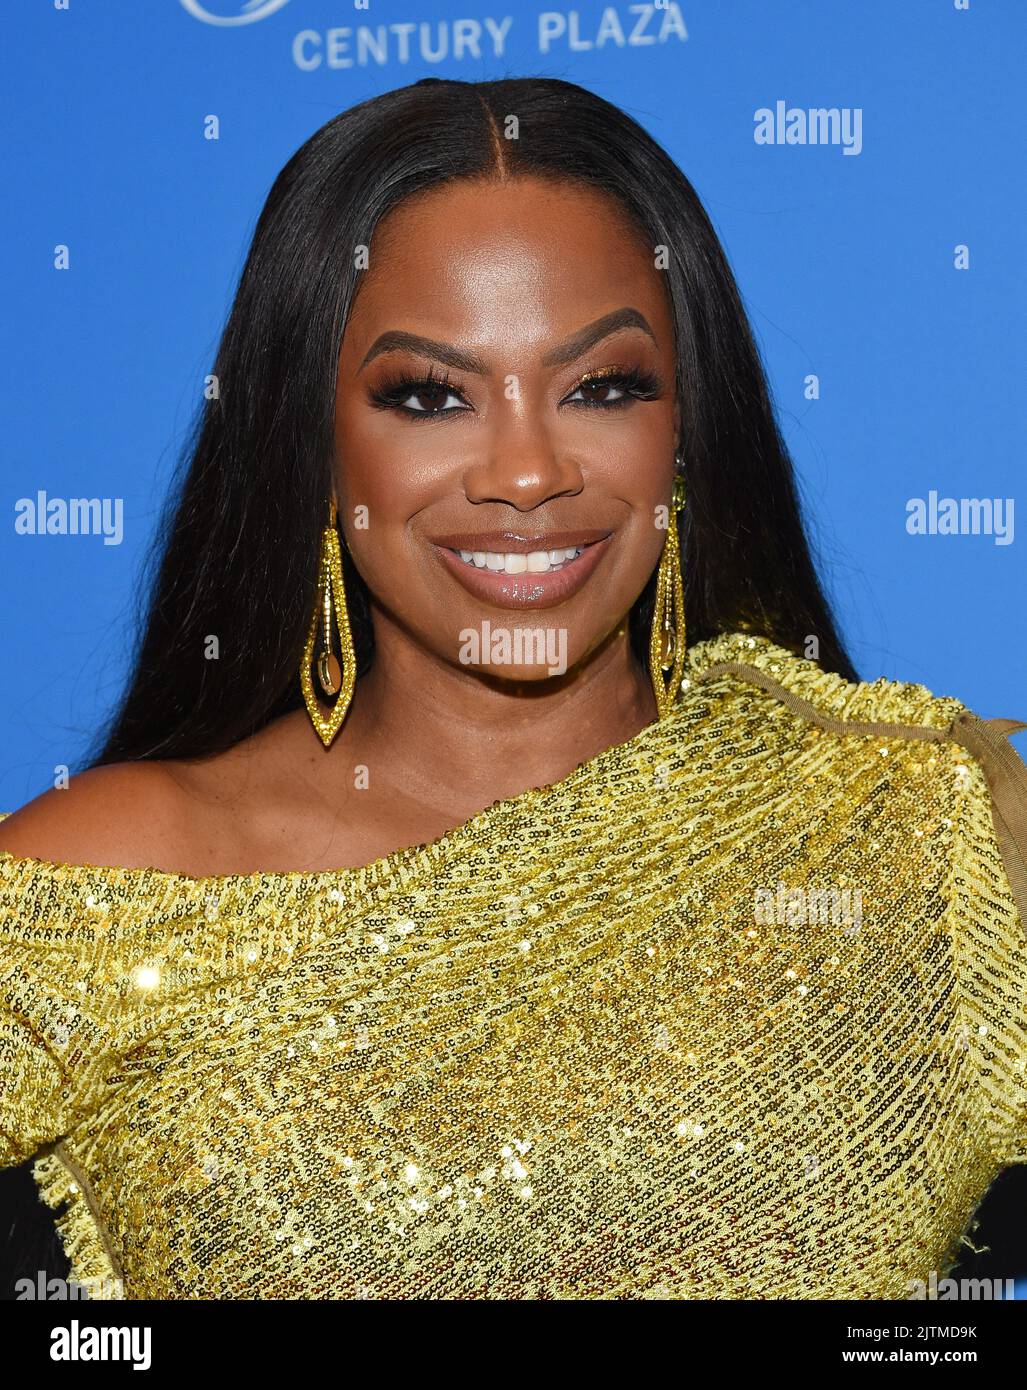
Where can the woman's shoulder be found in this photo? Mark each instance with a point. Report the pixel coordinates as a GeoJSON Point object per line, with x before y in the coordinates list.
{"type": "Point", "coordinates": [123, 814]}
{"type": "Point", "coordinates": [758, 670]}
{"type": "Point", "coordinates": [894, 709]}
{"type": "Point", "coordinates": [798, 681]}
{"type": "Point", "coordinates": [180, 817]}
{"type": "Point", "coordinates": [975, 770]}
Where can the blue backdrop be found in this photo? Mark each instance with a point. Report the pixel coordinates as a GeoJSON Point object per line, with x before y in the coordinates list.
{"type": "Point", "coordinates": [882, 271]}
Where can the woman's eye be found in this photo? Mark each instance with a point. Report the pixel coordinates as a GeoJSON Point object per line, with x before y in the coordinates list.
{"type": "Point", "coordinates": [422, 398]}
{"type": "Point", "coordinates": [436, 397]}
{"type": "Point", "coordinates": [591, 387]}
{"type": "Point", "coordinates": [616, 389]}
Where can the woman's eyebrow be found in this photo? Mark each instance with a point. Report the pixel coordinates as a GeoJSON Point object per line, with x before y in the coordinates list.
{"type": "Point", "coordinates": [397, 340]}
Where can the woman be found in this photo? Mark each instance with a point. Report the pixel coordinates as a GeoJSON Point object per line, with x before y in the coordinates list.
{"type": "Point", "coordinates": [431, 922]}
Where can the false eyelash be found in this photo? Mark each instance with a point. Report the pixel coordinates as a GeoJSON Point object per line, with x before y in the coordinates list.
{"type": "Point", "coordinates": [633, 381]}
{"type": "Point", "coordinates": [391, 394]}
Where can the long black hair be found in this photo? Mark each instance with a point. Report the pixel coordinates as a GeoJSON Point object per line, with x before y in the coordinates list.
{"type": "Point", "coordinates": [238, 553]}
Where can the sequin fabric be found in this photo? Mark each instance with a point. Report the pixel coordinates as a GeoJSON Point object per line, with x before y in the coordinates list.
{"type": "Point", "coordinates": [735, 1010]}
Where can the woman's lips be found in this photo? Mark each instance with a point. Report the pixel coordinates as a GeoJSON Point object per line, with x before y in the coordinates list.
{"type": "Point", "coordinates": [525, 590]}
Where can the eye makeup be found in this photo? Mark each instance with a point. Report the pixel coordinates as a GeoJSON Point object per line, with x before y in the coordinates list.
{"type": "Point", "coordinates": [632, 384]}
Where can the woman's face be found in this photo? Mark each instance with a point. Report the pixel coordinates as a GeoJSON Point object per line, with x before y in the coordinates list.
{"type": "Point", "coordinates": [519, 292]}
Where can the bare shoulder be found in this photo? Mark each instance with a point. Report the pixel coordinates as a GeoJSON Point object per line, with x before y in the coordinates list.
{"type": "Point", "coordinates": [221, 813]}
{"type": "Point", "coordinates": [125, 814]}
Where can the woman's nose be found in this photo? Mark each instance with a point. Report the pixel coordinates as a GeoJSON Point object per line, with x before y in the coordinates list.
{"type": "Point", "coordinates": [522, 471]}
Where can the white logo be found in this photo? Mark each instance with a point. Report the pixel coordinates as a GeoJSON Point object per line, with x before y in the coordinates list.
{"type": "Point", "coordinates": [250, 11]}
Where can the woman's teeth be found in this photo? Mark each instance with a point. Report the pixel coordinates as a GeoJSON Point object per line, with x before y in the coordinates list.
{"type": "Point", "coordinates": [535, 562]}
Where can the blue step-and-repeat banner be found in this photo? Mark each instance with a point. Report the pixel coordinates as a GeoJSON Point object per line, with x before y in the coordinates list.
{"type": "Point", "coordinates": [879, 247]}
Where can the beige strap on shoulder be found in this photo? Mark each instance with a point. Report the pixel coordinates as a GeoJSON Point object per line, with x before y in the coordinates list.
{"type": "Point", "coordinates": [1004, 769]}
{"type": "Point", "coordinates": [1006, 775]}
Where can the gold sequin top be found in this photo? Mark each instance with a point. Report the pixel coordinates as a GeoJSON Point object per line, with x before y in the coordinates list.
{"type": "Point", "coordinates": [735, 1010]}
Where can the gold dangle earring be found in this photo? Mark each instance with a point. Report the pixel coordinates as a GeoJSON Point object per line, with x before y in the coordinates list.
{"type": "Point", "coordinates": [667, 636]}
{"type": "Point", "coordinates": [334, 680]}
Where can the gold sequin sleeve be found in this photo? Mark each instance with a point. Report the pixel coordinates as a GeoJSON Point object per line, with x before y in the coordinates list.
{"type": "Point", "coordinates": [989, 913]}
{"type": "Point", "coordinates": [985, 819]}
{"type": "Point", "coordinates": [49, 1042]}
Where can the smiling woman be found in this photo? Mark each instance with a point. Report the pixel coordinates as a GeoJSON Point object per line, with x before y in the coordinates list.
{"type": "Point", "coordinates": [369, 961]}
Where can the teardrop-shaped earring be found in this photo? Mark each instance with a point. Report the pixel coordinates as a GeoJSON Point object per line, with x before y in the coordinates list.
{"type": "Point", "coordinates": [667, 635]}
{"type": "Point", "coordinates": [334, 679]}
